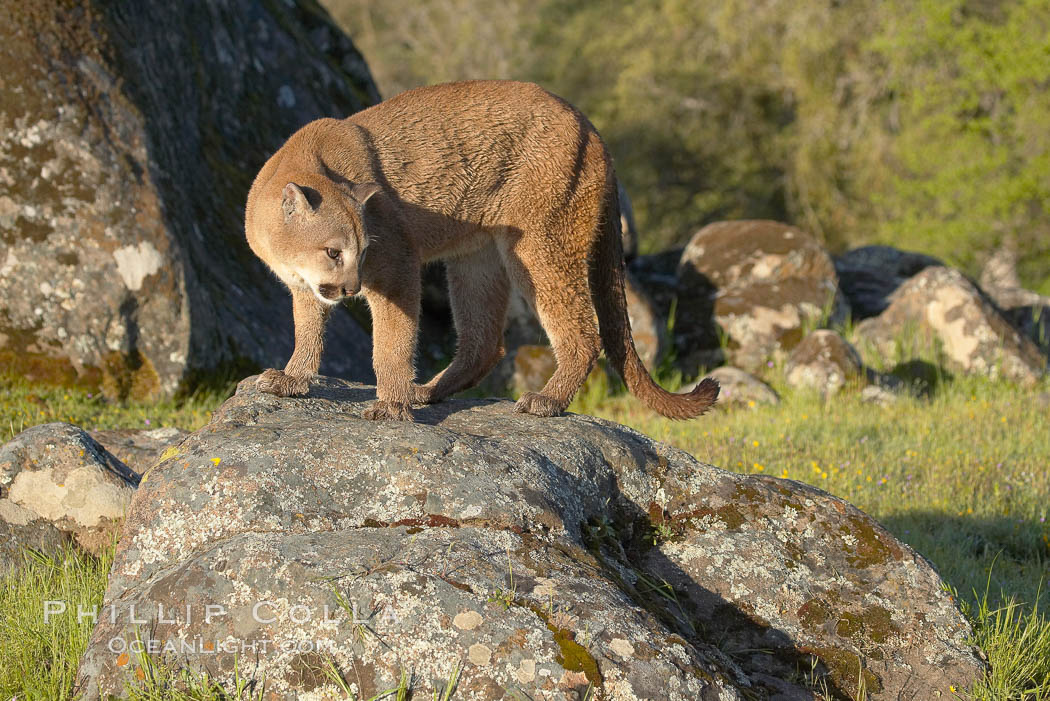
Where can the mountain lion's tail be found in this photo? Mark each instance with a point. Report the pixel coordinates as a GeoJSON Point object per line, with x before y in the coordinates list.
{"type": "Point", "coordinates": [607, 291]}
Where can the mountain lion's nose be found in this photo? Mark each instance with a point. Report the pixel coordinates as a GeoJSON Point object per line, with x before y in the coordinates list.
{"type": "Point", "coordinates": [330, 291]}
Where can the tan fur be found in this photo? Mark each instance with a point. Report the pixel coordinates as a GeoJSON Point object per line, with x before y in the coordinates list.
{"type": "Point", "coordinates": [504, 182]}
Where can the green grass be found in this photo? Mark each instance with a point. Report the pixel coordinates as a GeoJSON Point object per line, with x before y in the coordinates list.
{"type": "Point", "coordinates": [961, 476]}
{"type": "Point", "coordinates": [38, 660]}
{"type": "Point", "coordinates": [24, 405]}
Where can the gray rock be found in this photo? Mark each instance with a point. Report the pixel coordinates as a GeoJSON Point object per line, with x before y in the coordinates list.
{"type": "Point", "coordinates": [940, 305]}
{"type": "Point", "coordinates": [878, 394]}
{"type": "Point", "coordinates": [870, 274]}
{"type": "Point", "coordinates": [137, 448]}
{"type": "Point", "coordinates": [131, 134]}
{"type": "Point", "coordinates": [1028, 311]}
{"type": "Point", "coordinates": [740, 388]}
{"type": "Point", "coordinates": [22, 530]}
{"type": "Point", "coordinates": [58, 474]}
{"type": "Point", "coordinates": [824, 361]}
{"type": "Point", "coordinates": [522, 549]}
{"type": "Point", "coordinates": [761, 282]}
{"type": "Point", "coordinates": [1000, 272]}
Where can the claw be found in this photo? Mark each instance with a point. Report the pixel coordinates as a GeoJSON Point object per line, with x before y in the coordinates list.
{"type": "Point", "coordinates": [283, 385]}
{"type": "Point", "coordinates": [538, 405]}
{"type": "Point", "coordinates": [381, 410]}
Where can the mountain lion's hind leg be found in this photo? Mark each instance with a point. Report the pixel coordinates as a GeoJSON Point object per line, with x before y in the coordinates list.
{"type": "Point", "coordinates": [562, 301]}
{"type": "Point", "coordinates": [478, 290]}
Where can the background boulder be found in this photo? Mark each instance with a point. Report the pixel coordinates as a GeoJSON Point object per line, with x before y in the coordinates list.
{"type": "Point", "coordinates": [939, 305]}
{"type": "Point", "coordinates": [823, 361]}
{"type": "Point", "coordinates": [55, 479]}
{"type": "Point", "coordinates": [137, 448]}
{"type": "Point", "coordinates": [760, 282]}
{"type": "Point", "coordinates": [740, 388]}
{"type": "Point", "coordinates": [870, 274]}
{"type": "Point", "coordinates": [131, 134]}
{"type": "Point", "coordinates": [531, 551]}
{"type": "Point", "coordinates": [1028, 311]}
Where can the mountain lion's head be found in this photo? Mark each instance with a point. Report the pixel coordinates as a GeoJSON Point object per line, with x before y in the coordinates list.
{"type": "Point", "coordinates": [316, 237]}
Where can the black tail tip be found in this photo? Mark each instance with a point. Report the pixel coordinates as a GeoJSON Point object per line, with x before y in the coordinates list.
{"type": "Point", "coordinates": [706, 391]}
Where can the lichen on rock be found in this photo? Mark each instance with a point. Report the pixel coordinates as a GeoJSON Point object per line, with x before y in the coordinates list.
{"type": "Point", "coordinates": [56, 484]}
{"type": "Point", "coordinates": [124, 169]}
{"type": "Point", "coordinates": [761, 282]}
{"type": "Point", "coordinates": [522, 549]}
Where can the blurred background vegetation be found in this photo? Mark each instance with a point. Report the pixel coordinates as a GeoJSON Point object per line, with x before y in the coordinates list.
{"type": "Point", "coordinates": [922, 124]}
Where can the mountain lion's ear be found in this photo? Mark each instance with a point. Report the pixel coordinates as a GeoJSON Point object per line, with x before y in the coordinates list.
{"type": "Point", "coordinates": [362, 191]}
{"type": "Point", "coordinates": [293, 201]}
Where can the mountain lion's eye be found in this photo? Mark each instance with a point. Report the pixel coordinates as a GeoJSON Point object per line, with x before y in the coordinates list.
{"type": "Point", "coordinates": [333, 253]}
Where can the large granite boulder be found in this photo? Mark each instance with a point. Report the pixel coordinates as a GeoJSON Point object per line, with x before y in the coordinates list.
{"type": "Point", "coordinates": [544, 556]}
{"type": "Point", "coordinates": [870, 274]}
{"type": "Point", "coordinates": [761, 282]}
{"type": "Point", "coordinates": [22, 531]}
{"type": "Point", "coordinates": [56, 483]}
{"type": "Point", "coordinates": [941, 306]}
{"type": "Point", "coordinates": [129, 136]}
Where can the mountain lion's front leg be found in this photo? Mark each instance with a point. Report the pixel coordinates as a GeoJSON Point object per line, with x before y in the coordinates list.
{"type": "Point", "coordinates": [395, 318]}
{"type": "Point", "coordinates": [310, 317]}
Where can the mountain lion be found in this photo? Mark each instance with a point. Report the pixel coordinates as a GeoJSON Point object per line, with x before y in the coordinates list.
{"type": "Point", "coordinates": [504, 182]}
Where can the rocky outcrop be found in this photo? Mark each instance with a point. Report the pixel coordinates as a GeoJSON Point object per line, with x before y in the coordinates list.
{"type": "Point", "coordinates": [131, 134]}
{"type": "Point", "coordinates": [56, 482]}
{"type": "Point", "coordinates": [870, 274]}
{"type": "Point", "coordinates": [544, 556]}
{"type": "Point", "coordinates": [761, 282]}
{"type": "Point", "coordinates": [939, 305]}
{"type": "Point", "coordinates": [824, 361]}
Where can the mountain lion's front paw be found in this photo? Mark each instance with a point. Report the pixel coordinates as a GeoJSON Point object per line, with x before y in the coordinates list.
{"type": "Point", "coordinates": [396, 411]}
{"type": "Point", "coordinates": [277, 382]}
{"type": "Point", "coordinates": [538, 405]}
